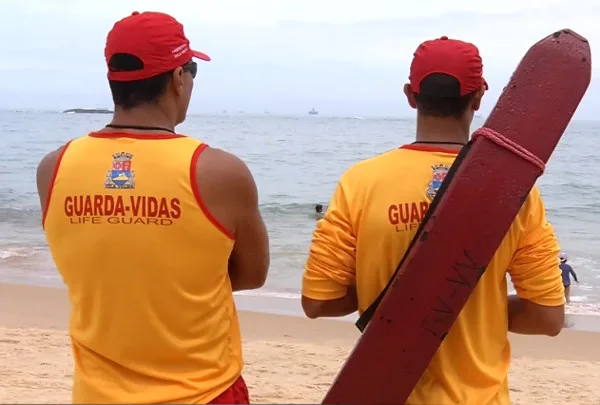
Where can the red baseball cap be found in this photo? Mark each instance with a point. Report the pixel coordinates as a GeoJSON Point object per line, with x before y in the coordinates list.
{"type": "Point", "coordinates": [455, 58]}
{"type": "Point", "coordinates": [157, 39]}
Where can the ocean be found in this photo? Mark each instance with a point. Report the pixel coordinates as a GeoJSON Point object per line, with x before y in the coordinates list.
{"type": "Point", "coordinates": [296, 162]}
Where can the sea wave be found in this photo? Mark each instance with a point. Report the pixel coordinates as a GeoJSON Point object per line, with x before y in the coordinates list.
{"type": "Point", "coordinates": [17, 252]}
{"type": "Point", "coordinates": [30, 216]}
{"type": "Point", "coordinates": [16, 212]}
{"type": "Point", "coordinates": [578, 305]}
{"type": "Point", "coordinates": [269, 294]}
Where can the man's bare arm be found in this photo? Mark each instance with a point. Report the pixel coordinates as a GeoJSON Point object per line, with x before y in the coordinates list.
{"type": "Point", "coordinates": [44, 176]}
{"type": "Point", "coordinates": [229, 192]}
{"type": "Point", "coordinates": [528, 318]}
{"type": "Point", "coordinates": [346, 305]}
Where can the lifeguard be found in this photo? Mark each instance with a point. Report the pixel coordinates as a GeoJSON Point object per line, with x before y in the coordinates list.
{"type": "Point", "coordinates": [152, 231]}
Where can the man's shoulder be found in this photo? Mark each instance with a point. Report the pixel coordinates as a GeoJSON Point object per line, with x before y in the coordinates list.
{"type": "Point", "coordinates": [220, 167]}
{"type": "Point", "coordinates": [531, 223]}
{"type": "Point", "coordinates": [55, 155]}
{"type": "Point", "coordinates": [48, 168]}
{"type": "Point", "coordinates": [533, 203]}
{"type": "Point", "coordinates": [52, 158]}
{"type": "Point", "coordinates": [222, 162]}
{"type": "Point", "coordinates": [367, 166]}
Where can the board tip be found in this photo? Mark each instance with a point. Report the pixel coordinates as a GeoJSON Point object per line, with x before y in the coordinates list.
{"type": "Point", "coordinates": [568, 31]}
{"type": "Point", "coordinates": [570, 43]}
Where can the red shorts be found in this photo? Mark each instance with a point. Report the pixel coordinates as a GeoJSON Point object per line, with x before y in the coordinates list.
{"type": "Point", "coordinates": [236, 394]}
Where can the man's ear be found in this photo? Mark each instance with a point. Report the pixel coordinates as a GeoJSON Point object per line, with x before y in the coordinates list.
{"type": "Point", "coordinates": [178, 80]}
{"type": "Point", "coordinates": [477, 98]}
{"type": "Point", "coordinates": [410, 96]}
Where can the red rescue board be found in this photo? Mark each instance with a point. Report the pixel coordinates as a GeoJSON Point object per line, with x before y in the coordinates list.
{"type": "Point", "coordinates": [489, 183]}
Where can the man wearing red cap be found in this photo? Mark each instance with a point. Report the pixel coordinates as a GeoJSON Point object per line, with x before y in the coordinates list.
{"type": "Point", "coordinates": [152, 231]}
{"type": "Point", "coordinates": [377, 208]}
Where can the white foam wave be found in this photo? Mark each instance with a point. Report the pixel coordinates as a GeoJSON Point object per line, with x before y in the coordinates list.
{"type": "Point", "coordinates": [270, 294]}
{"type": "Point", "coordinates": [582, 308]}
{"type": "Point", "coordinates": [578, 305]}
{"type": "Point", "coordinates": [16, 252]}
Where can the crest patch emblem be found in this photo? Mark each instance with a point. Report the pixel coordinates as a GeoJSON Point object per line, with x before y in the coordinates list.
{"type": "Point", "coordinates": [439, 174]}
{"type": "Point", "coordinates": [120, 176]}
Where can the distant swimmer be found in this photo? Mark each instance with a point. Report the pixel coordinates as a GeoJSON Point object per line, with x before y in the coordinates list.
{"type": "Point", "coordinates": [319, 211]}
{"type": "Point", "coordinates": [567, 272]}
{"type": "Point", "coordinates": [152, 231]}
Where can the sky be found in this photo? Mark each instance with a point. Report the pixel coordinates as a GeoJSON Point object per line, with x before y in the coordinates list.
{"type": "Point", "coordinates": [345, 58]}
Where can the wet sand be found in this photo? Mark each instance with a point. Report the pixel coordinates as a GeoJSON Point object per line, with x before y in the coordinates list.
{"type": "Point", "coordinates": [288, 359]}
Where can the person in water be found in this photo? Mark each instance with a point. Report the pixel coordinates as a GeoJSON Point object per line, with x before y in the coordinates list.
{"type": "Point", "coordinates": [151, 232]}
{"type": "Point", "coordinates": [319, 211]}
{"type": "Point", "coordinates": [567, 272]}
{"type": "Point", "coordinates": [376, 210]}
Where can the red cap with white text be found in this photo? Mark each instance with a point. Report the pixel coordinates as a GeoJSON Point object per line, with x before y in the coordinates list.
{"type": "Point", "coordinates": [157, 39]}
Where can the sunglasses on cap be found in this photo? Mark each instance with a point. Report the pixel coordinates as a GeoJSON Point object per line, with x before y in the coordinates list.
{"type": "Point", "coordinates": [191, 67]}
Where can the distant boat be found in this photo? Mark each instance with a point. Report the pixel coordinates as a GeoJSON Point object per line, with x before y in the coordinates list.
{"type": "Point", "coordinates": [313, 112]}
{"type": "Point", "coordinates": [87, 111]}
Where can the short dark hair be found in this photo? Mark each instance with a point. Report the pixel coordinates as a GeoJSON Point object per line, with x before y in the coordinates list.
{"type": "Point", "coordinates": [128, 95]}
{"type": "Point", "coordinates": [318, 207]}
{"type": "Point", "coordinates": [439, 96]}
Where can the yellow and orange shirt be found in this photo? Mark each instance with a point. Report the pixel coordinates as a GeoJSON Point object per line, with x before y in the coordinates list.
{"type": "Point", "coordinates": [153, 318]}
{"type": "Point", "coordinates": [373, 215]}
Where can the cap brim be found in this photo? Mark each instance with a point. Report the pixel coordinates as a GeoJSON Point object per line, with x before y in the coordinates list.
{"type": "Point", "coordinates": [201, 55]}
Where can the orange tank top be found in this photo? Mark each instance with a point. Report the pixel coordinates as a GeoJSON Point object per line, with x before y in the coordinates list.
{"type": "Point", "coordinates": [153, 318]}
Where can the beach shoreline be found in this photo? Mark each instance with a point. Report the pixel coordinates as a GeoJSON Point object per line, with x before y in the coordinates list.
{"type": "Point", "coordinates": [269, 302]}
{"type": "Point", "coordinates": [288, 359]}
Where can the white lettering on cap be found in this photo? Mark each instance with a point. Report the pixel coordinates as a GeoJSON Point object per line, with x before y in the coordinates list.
{"type": "Point", "coordinates": [180, 50]}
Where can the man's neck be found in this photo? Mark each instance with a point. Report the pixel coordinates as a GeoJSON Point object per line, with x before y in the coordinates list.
{"type": "Point", "coordinates": [147, 116]}
{"type": "Point", "coordinates": [442, 130]}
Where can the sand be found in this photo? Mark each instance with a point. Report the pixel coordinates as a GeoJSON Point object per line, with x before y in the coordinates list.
{"type": "Point", "coordinates": [288, 359]}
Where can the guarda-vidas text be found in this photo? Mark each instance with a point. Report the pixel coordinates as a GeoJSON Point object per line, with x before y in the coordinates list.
{"type": "Point", "coordinates": [131, 210]}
